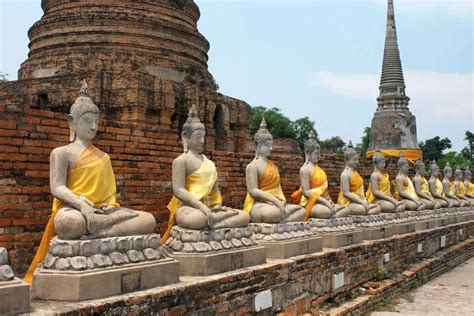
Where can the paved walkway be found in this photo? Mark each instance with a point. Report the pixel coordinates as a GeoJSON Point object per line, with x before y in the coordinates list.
{"type": "Point", "coordinates": [449, 294]}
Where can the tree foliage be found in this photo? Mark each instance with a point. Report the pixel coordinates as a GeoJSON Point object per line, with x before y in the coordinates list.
{"type": "Point", "coordinates": [333, 145]}
{"type": "Point", "coordinates": [3, 76]}
{"type": "Point", "coordinates": [362, 147]}
{"type": "Point", "coordinates": [433, 148]}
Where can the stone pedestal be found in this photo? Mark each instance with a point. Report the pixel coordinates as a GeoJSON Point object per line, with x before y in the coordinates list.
{"type": "Point", "coordinates": [76, 270]}
{"type": "Point", "coordinates": [14, 297]}
{"type": "Point", "coordinates": [211, 251]}
{"type": "Point", "coordinates": [337, 232]}
{"type": "Point", "coordinates": [287, 239]}
{"type": "Point", "coordinates": [375, 226]}
{"type": "Point", "coordinates": [373, 233]}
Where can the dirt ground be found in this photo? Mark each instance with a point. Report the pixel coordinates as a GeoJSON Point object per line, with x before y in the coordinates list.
{"type": "Point", "coordinates": [449, 294]}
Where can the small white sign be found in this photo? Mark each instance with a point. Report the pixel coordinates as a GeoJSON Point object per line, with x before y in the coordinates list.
{"type": "Point", "coordinates": [386, 257]}
{"type": "Point", "coordinates": [442, 242]}
{"type": "Point", "coordinates": [263, 300]}
{"type": "Point", "coordinates": [337, 280]}
{"type": "Point", "coordinates": [460, 231]}
{"type": "Point", "coordinates": [419, 248]}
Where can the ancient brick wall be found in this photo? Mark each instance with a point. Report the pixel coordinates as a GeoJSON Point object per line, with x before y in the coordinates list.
{"type": "Point", "coordinates": [141, 158]}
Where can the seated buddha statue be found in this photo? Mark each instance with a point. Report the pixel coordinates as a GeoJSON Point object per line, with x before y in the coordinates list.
{"type": "Point", "coordinates": [313, 194]}
{"type": "Point", "coordinates": [83, 184]}
{"type": "Point", "coordinates": [421, 186]}
{"type": "Point", "coordinates": [459, 188]}
{"type": "Point", "coordinates": [404, 189]}
{"type": "Point", "coordinates": [468, 185]}
{"type": "Point", "coordinates": [197, 201]}
{"type": "Point", "coordinates": [379, 191]}
{"type": "Point", "coordinates": [265, 200]}
{"type": "Point", "coordinates": [448, 186]}
{"type": "Point", "coordinates": [436, 187]}
{"type": "Point", "coordinates": [352, 194]}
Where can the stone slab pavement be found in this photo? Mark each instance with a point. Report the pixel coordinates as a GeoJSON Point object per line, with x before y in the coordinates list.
{"type": "Point", "coordinates": [449, 294]}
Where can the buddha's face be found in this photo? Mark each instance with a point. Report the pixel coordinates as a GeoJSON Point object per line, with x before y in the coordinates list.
{"type": "Point", "coordinates": [265, 148]}
{"type": "Point", "coordinates": [404, 168]}
{"type": "Point", "coordinates": [421, 170]}
{"type": "Point", "coordinates": [196, 141]}
{"type": "Point", "coordinates": [380, 165]}
{"type": "Point", "coordinates": [448, 173]}
{"type": "Point", "coordinates": [86, 126]}
{"type": "Point", "coordinates": [435, 172]}
{"type": "Point", "coordinates": [458, 174]}
{"type": "Point", "coordinates": [353, 162]}
{"type": "Point", "coordinates": [314, 156]}
{"type": "Point", "coordinates": [467, 175]}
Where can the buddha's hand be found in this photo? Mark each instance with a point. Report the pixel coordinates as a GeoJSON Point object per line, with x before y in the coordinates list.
{"type": "Point", "coordinates": [281, 206]}
{"type": "Point", "coordinates": [218, 208]}
{"type": "Point", "coordinates": [205, 210]}
{"type": "Point", "coordinates": [88, 212]}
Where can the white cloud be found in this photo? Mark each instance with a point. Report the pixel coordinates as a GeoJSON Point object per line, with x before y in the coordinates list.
{"type": "Point", "coordinates": [455, 8]}
{"type": "Point", "coordinates": [434, 96]}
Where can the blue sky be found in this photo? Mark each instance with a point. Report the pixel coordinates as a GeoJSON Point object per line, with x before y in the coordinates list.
{"type": "Point", "coordinates": [321, 58]}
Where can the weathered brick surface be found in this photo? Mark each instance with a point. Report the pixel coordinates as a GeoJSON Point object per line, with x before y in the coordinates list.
{"type": "Point", "coordinates": [300, 284]}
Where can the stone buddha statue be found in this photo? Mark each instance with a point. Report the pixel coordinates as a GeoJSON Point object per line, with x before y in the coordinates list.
{"type": "Point", "coordinates": [468, 185]}
{"type": "Point", "coordinates": [197, 201]}
{"type": "Point", "coordinates": [436, 187]}
{"type": "Point", "coordinates": [448, 186]}
{"type": "Point", "coordinates": [379, 188]}
{"type": "Point", "coordinates": [421, 186]}
{"type": "Point", "coordinates": [459, 188]}
{"type": "Point", "coordinates": [313, 194]}
{"type": "Point", "coordinates": [83, 185]}
{"type": "Point", "coordinates": [265, 200]}
{"type": "Point", "coordinates": [352, 194]}
{"type": "Point", "coordinates": [404, 189]}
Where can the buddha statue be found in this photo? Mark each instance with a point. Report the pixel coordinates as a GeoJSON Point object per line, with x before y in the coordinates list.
{"type": "Point", "coordinates": [83, 184]}
{"type": "Point", "coordinates": [352, 194]}
{"type": "Point", "coordinates": [448, 186]}
{"type": "Point", "coordinates": [379, 187]}
{"type": "Point", "coordinates": [421, 186]}
{"type": "Point", "coordinates": [197, 201]}
{"type": "Point", "coordinates": [459, 188]}
{"type": "Point", "coordinates": [436, 187]}
{"type": "Point", "coordinates": [404, 189]}
{"type": "Point", "coordinates": [313, 194]}
{"type": "Point", "coordinates": [265, 200]}
{"type": "Point", "coordinates": [468, 185]}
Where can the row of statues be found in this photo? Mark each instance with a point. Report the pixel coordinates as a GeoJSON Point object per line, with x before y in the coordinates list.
{"type": "Point", "coordinates": [83, 185]}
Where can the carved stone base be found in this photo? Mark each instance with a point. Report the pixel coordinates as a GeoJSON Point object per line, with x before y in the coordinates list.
{"type": "Point", "coordinates": [373, 233]}
{"type": "Point", "coordinates": [200, 264]}
{"type": "Point", "coordinates": [103, 282]}
{"type": "Point", "coordinates": [211, 251]}
{"type": "Point", "coordinates": [292, 247]}
{"type": "Point", "coordinates": [14, 297]}
{"type": "Point", "coordinates": [337, 232]}
{"type": "Point", "coordinates": [376, 226]}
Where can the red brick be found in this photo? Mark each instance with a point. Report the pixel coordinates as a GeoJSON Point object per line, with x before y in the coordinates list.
{"type": "Point", "coordinates": [13, 133]}
{"type": "Point", "coordinates": [5, 222]}
{"type": "Point", "coordinates": [51, 130]}
{"type": "Point", "coordinates": [7, 125]}
{"type": "Point", "coordinates": [121, 131]}
{"type": "Point", "coordinates": [49, 122]}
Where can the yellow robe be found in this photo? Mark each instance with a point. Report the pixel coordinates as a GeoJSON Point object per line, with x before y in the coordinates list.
{"type": "Point", "coordinates": [92, 177]}
{"type": "Point", "coordinates": [439, 188]}
{"type": "Point", "coordinates": [470, 188]}
{"type": "Point", "coordinates": [407, 187]}
{"type": "Point", "coordinates": [269, 183]}
{"type": "Point", "coordinates": [425, 187]}
{"type": "Point", "coordinates": [319, 187]}
{"type": "Point", "coordinates": [452, 191]}
{"type": "Point", "coordinates": [384, 187]}
{"type": "Point", "coordinates": [201, 185]}
{"type": "Point", "coordinates": [356, 186]}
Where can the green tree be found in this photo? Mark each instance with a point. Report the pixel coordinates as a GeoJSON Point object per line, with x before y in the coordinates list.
{"type": "Point", "coordinates": [278, 124]}
{"type": "Point", "coordinates": [303, 127]}
{"type": "Point", "coordinates": [362, 147]}
{"type": "Point", "coordinates": [454, 160]}
{"type": "Point", "coordinates": [333, 145]}
{"type": "Point", "coordinates": [3, 76]}
{"type": "Point", "coordinates": [433, 148]}
{"type": "Point", "coordinates": [468, 151]}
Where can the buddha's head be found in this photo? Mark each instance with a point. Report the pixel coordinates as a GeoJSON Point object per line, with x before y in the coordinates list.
{"type": "Point", "coordinates": [193, 133]}
{"type": "Point", "coordinates": [403, 165]}
{"type": "Point", "coordinates": [83, 117]}
{"type": "Point", "coordinates": [458, 173]}
{"type": "Point", "coordinates": [420, 167]}
{"type": "Point", "coordinates": [434, 169]}
{"type": "Point", "coordinates": [448, 171]}
{"type": "Point", "coordinates": [379, 160]}
{"type": "Point", "coordinates": [351, 156]}
{"type": "Point", "coordinates": [264, 141]}
{"type": "Point", "coordinates": [312, 149]}
{"type": "Point", "coordinates": [467, 174]}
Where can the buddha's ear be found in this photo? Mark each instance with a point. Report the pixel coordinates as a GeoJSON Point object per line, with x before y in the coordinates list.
{"type": "Point", "coordinates": [72, 129]}
{"type": "Point", "coordinates": [184, 139]}
{"type": "Point", "coordinates": [306, 158]}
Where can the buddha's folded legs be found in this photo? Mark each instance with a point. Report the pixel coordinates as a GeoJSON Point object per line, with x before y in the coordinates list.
{"type": "Point", "coordinates": [410, 205]}
{"type": "Point", "coordinates": [321, 211]}
{"type": "Point", "coordinates": [69, 223]}
{"type": "Point", "coordinates": [265, 213]}
{"type": "Point", "coordinates": [191, 218]}
{"type": "Point", "coordinates": [453, 203]}
{"type": "Point", "coordinates": [293, 213]}
{"type": "Point", "coordinates": [440, 204]}
{"type": "Point", "coordinates": [429, 205]}
{"type": "Point", "coordinates": [386, 206]}
{"type": "Point", "coordinates": [229, 218]}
